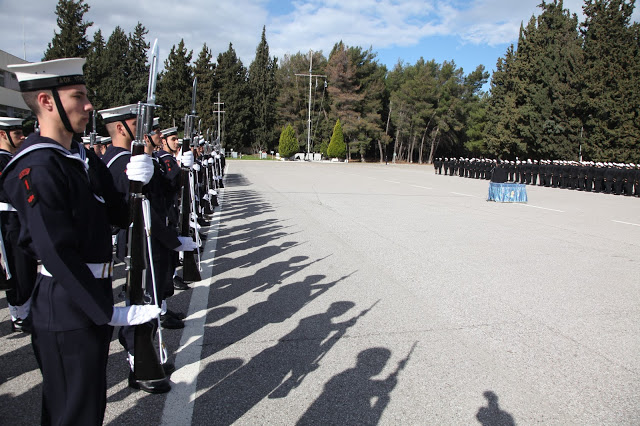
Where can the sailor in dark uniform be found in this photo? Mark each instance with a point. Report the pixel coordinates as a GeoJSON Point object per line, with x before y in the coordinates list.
{"type": "Point", "coordinates": [20, 269]}
{"type": "Point", "coordinates": [168, 160]}
{"type": "Point", "coordinates": [121, 123]}
{"type": "Point", "coordinates": [163, 191]}
{"type": "Point", "coordinates": [66, 201]}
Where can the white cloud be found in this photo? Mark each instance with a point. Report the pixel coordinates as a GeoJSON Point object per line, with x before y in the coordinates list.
{"type": "Point", "coordinates": [308, 24]}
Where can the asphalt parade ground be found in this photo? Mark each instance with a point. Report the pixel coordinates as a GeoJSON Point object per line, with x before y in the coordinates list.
{"type": "Point", "coordinates": [385, 294]}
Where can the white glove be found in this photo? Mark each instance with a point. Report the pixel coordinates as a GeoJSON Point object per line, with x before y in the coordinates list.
{"type": "Point", "coordinates": [134, 314]}
{"type": "Point", "coordinates": [210, 162]}
{"type": "Point", "coordinates": [140, 168]}
{"type": "Point", "coordinates": [186, 159]}
{"type": "Point", "coordinates": [218, 156]}
{"type": "Point", "coordinates": [186, 244]}
{"type": "Point", "coordinates": [212, 192]}
{"type": "Point", "coordinates": [196, 167]}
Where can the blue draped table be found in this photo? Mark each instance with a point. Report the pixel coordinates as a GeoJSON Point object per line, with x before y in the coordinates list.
{"type": "Point", "coordinates": [507, 192]}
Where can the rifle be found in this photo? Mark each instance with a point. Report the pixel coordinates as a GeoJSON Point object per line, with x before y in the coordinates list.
{"type": "Point", "coordinates": [190, 270]}
{"type": "Point", "coordinates": [93, 135]}
{"type": "Point", "coordinates": [147, 364]}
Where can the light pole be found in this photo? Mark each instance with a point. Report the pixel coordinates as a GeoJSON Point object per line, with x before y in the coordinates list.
{"type": "Point", "coordinates": [310, 75]}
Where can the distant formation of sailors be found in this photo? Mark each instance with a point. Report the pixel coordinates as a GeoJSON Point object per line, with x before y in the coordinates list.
{"type": "Point", "coordinates": [589, 176]}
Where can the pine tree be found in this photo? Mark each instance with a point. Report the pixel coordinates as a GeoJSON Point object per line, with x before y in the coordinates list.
{"type": "Point", "coordinates": [231, 77]}
{"type": "Point", "coordinates": [344, 91]}
{"type": "Point", "coordinates": [71, 41]}
{"type": "Point", "coordinates": [548, 66]}
{"type": "Point", "coordinates": [204, 70]}
{"type": "Point", "coordinates": [337, 147]}
{"type": "Point", "coordinates": [137, 66]}
{"type": "Point", "coordinates": [95, 71]}
{"type": "Point", "coordinates": [262, 80]}
{"type": "Point", "coordinates": [503, 112]}
{"type": "Point", "coordinates": [175, 86]}
{"type": "Point", "coordinates": [288, 145]}
{"type": "Point", "coordinates": [610, 95]}
{"type": "Point", "coordinates": [292, 101]}
{"type": "Point", "coordinates": [115, 83]}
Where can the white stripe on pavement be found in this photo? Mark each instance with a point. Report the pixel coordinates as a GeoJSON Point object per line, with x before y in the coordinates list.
{"type": "Point", "coordinates": [538, 207]}
{"type": "Point", "coordinates": [421, 187]}
{"type": "Point", "coordinates": [178, 407]}
{"type": "Point", "coordinates": [625, 223]}
{"type": "Point", "coordinates": [466, 195]}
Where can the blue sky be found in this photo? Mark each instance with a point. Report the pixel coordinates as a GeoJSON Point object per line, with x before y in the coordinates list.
{"type": "Point", "coordinates": [469, 32]}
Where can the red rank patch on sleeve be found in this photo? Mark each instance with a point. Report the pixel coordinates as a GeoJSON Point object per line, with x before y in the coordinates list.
{"type": "Point", "coordinates": [25, 172]}
{"type": "Point", "coordinates": [24, 176]}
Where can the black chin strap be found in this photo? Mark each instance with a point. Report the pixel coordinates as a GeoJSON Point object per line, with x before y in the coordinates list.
{"type": "Point", "coordinates": [151, 140]}
{"type": "Point", "coordinates": [126, 126]}
{"type": "Point", "coordinates": [8, 133]}
{"type": "Point", "coordinates": [61, 111]}
{"type": "Point", "coordinates": [169, 148]}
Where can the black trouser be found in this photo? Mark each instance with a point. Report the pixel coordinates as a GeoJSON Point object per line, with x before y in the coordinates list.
{"type": "Point", "coordinates": [588, 184]}
{"type": "Point", "coordinates": [74, 374]}
{"type": "Point", "coordinates": [164, 287]}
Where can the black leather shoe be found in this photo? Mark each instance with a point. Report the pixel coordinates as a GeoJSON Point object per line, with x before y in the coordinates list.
{"type": "Point", "coordinates": [21, 325]}
{"type": "Point", "coordinates": [170, 322]}
{"type": "Point", "coordinates": [168, 368]}
{"type": "Point", "coordinates": [179, 284]}
{"type": "Point", "coordinates": [177, 315]}
{"type": "Point", "coordinates": [151, 386]}
{"type": "Point", "coordinates": [202, 222]}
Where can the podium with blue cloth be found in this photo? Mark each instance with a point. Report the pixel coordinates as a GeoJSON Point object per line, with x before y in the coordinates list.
{"type": "Point", "coordinates": [507, 192]}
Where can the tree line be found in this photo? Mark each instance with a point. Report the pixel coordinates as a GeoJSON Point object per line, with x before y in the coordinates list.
{"type": "Point", "coordinates": [566, 90]}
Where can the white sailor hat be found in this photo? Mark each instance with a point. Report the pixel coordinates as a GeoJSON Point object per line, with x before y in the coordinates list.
{"type": "Point", "coordinates": [10, 123]}
{"type": "Point", "coordinates": [120, 113]}
{"type": "Point", "coordinates": [105, 140]}
{"type": "Point", "coordinates": [180, 141]}
{"type": "Point", "coordinates": [156, 123]}
{"type": "Point", "coordinates": [169, 132]}
{"type": "Point", "coordinates": [632, 165]}
{"type": "Point", "coordinates": [49, 74]}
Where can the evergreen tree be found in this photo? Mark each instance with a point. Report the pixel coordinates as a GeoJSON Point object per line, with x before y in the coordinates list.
{"type": "Point", "coordinates": [71, 41]}
{"type": "Point", "coordinates": [96, 71]}
{"type": "Point", "coordinates": [264, 90]}
{"type": "Point", "coordinates": [344, 91]}
{"type": "Point", "coordinates": [502, 111]}
{"type": "Point", "coordinates": [292, 101]}
{"type": "Point", "coordinates": [115, 82]}
{"type": "Point", "coordinates": [231, 77]}
{"type": "Point", "coordinates": [204, 70]}
{"type": "Point", "coordinates": [610, 96]}
{"type": "Point", "coordinates": [288, 145]}
{"type": "Point", "coordinates": [549, 63]}
{"type": "Point", "coordinates": [337, 147]}
{"type": "Point", "coordinates": [137, 66]}
{"type": "Point", "coordinates": [175, 86]}
{"type": "Point", "coordinates": [370, 76]}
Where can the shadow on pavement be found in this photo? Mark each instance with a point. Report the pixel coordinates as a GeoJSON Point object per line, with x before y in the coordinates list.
{"type": "Point", "coordinates": [492, 415]}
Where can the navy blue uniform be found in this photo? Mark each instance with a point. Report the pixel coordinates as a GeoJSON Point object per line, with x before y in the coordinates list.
{"type": "Point", "coordinates": [65, 202]}
{"type": "Point", "coordinates": [172, 177]}
{"type": "Point", "coordinates": [23, 267]}
{"type": "Point", "coordinates": [163, 237]}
